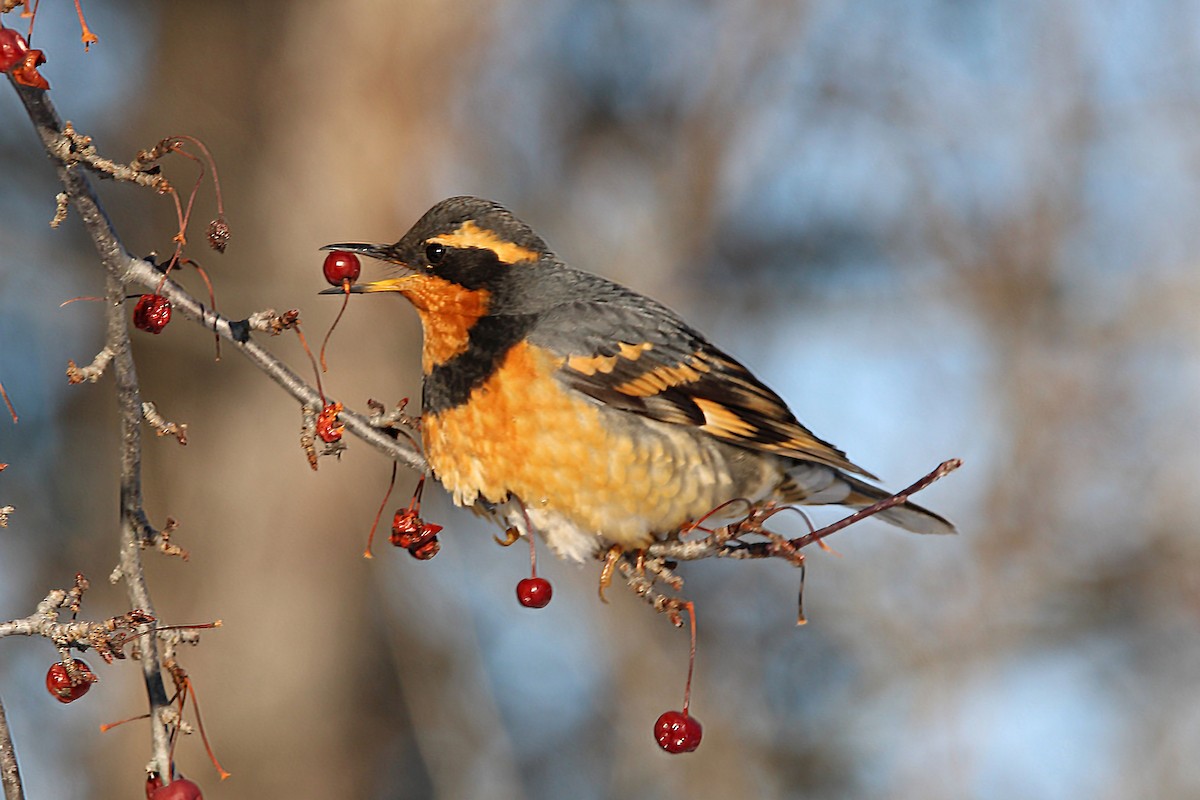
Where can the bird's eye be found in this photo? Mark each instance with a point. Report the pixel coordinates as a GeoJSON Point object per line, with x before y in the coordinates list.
{"type": "Point", "coordinates": [434, 253]}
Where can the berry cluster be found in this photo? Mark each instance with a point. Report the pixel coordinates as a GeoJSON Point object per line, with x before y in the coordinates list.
{"type": "Point", "coordinates": [411, 532]}
{"type": "Point", "coordinates": [415, 535]}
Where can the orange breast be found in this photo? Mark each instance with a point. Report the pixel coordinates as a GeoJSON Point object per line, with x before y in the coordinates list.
{"type": "Point", "coordinates": [609, 473]}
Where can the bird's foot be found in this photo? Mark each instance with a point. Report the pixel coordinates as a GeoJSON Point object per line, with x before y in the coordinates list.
{"type": "Point", "coordinates": [645, 580]}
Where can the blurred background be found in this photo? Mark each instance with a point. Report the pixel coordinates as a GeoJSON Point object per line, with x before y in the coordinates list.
{"type": "Point", "coordinates": [936, 228]}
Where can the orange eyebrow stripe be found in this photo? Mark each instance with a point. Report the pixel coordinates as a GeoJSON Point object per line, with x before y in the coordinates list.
{"type": "Point", "coordinates": [471, 235]}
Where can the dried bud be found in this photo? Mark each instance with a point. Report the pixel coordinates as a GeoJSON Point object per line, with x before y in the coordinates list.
{"type": "Point", "coordinates": [218, 234]}
{"type": "Point", "coordinates": [327, 423]}
{"type": "Point", "coordinates": [27, 74]}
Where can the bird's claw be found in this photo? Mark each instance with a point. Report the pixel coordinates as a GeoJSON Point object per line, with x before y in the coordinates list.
{"type": "Point", "coordinates": [610, 564]}
{"type": "Point", "coordinates": [511, 535]}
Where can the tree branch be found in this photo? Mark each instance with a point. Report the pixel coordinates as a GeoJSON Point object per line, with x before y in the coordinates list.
{"type": "Point", "coordinates": [133, 521]}
{"type": "Point", "coordinates": [132, 271]}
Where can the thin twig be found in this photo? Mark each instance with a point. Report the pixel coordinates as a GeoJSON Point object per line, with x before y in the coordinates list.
{"type": "Point", "coordinates": [10, 773]}
{"type": "Point", "coordinates": [92, 372]}
{"type": "Point", "coordinates": [162, 426]}
{"type": "Point", "coordinates": [144, 274]}
{"type": "Point", "coordinates": [722, 543]}
{"type": "Point", "coordinates": [106, 638]}
{"type": "Point", "coordinates": [899, 498]}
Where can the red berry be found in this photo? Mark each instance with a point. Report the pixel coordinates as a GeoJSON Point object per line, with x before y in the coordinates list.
{"type": "Point", "coordinates": [414, 534]}
{"type": "Point", "coordinates": [178, 789]}
{"type": "Point", "coordinates": [152, 313]}
{"type": "Point", "coordinates": [64, 687]}
{"type": "Point", "coordinates": [153, 784]}
{"type": "Point", "coordinates": [12, 49]}
{"type": "Point", "coordinates": [341, 266]}
{"type": "Point", "coordinates": [534, 592]}
{"type": "Point", "coordinates": [676, 732]}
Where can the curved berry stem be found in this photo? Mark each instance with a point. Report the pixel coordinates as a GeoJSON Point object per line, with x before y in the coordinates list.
{"type": "Point", "coordinates": [687, 688]}
{"type": "Point", "coordinates": [378, 514]}
{"type": "Point", "coordinates": [336, 320]}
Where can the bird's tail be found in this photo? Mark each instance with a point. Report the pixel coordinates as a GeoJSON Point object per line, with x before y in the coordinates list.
{"type": "Point", "coordinates": [816, 484]}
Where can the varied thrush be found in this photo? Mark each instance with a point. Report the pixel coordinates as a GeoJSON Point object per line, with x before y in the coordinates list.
{"type": "Point", "coordinates": [559, 399]}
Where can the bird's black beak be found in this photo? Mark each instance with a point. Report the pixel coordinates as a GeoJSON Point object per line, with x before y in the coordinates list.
{"type": "Point", "coordinates": [383, 252]}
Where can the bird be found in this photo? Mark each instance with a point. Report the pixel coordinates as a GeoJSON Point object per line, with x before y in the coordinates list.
{"type": "Point", "coordinates": [564, 404]}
